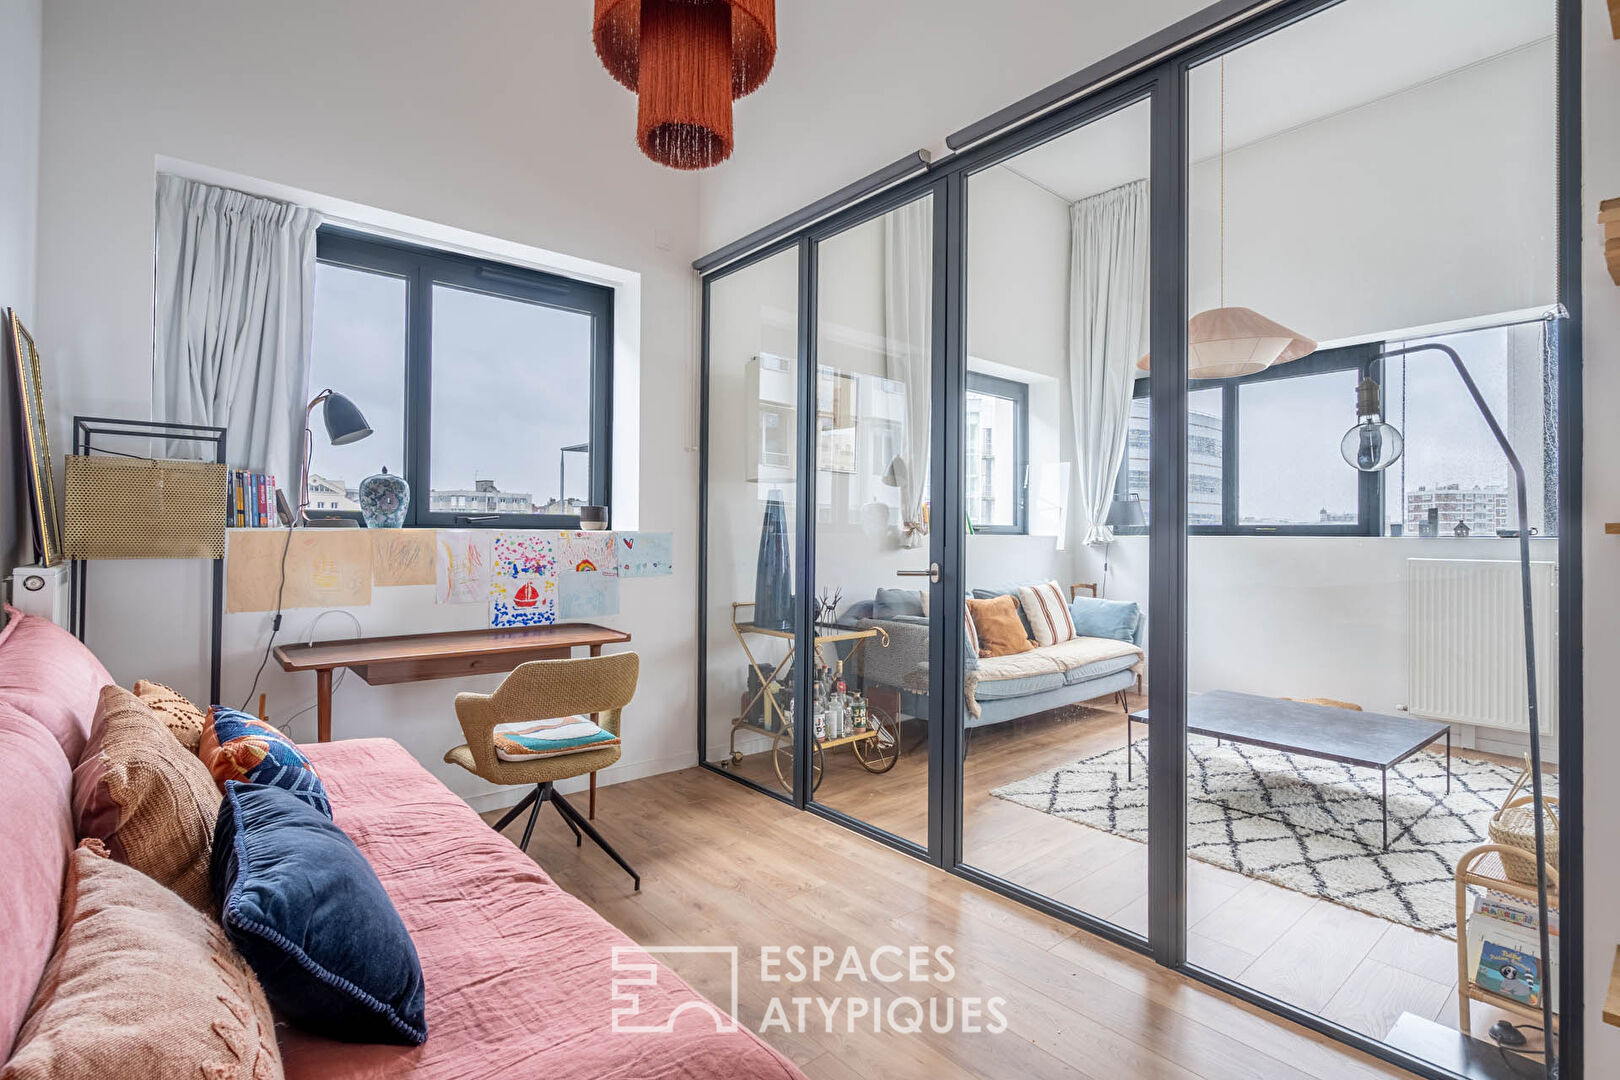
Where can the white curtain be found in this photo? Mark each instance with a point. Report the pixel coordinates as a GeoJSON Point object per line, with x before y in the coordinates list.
{"type": "Point", "coordinates": [908, 306]}
{"type": "Point", "coordinates": [235, 298]}
{"type": "Point", "coordinates": [1108, 326]}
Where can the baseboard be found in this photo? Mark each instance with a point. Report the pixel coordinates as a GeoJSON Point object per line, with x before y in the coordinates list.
{"type": "Point", "coordinates": [503, 797]}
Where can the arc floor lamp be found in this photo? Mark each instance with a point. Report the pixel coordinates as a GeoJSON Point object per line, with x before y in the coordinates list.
{"type": "Point", "coordinates": [1373, 445]}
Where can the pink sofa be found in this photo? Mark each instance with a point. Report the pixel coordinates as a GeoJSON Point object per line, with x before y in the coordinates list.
{"type": "Point", "coordinates": [519, 973]}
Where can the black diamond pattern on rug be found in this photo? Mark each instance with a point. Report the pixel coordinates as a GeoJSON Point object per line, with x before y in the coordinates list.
{"type": "Point", "coordinates": [1309, 825]}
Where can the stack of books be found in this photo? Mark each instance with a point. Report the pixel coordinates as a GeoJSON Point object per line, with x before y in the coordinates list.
{"type": "Point", "coordinates": [1504, 950]}
{"type": "Point", "coordinates": [251, 500]}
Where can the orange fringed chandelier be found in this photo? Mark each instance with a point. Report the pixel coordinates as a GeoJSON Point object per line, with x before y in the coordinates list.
{"type": "Point", "coordinates": [687, 60]}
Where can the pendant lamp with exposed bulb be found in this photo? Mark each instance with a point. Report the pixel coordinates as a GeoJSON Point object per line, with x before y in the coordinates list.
{"type": "Point", "coordinates": [1230, 342]}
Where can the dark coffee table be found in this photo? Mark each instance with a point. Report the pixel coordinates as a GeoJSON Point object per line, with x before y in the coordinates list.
{"type": "Point", "coordinates": [1368, 740]}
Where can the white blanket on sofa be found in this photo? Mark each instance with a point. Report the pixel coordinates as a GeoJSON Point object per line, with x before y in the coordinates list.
{"type": "Point", "coordinates": [1050, 659]}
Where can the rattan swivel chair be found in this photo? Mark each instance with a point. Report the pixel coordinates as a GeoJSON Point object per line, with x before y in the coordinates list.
{"type": "Point", "coordinates": [544, 690]}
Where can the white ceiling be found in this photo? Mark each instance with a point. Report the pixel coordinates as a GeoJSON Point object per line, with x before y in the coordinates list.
{"type": "Point", "coordinates": [1354, 53]}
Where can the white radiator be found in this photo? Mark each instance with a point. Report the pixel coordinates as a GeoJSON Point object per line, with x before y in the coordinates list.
{"type": "Point", "coordinates": [1465, 640]}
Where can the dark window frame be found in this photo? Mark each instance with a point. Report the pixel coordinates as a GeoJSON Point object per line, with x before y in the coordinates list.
{"type": "Point", "coordinates": [1018, 393]}
{"type": "Point", "coordinates": [422, 268]}
{"type": "Point", "coordinates": [1363, 359]}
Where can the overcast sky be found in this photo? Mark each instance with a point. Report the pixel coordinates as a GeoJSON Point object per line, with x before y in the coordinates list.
{"type": "Point", "coordinates": [1291, 467]}
{"type": "Point", "coordinates": [511, 384]}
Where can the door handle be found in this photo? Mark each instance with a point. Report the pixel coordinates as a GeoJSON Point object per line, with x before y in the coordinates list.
{"type": "Point", "coordinates": [932, 573]}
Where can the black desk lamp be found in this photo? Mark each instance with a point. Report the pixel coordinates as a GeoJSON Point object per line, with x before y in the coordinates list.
{"type": "Point", "coordinates": [344, 424]}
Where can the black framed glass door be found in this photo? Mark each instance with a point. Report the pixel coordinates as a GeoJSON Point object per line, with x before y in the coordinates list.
{"type": "Point", "coordinates": [871, 590]}
{"type": "Point", "coordinates": [1057, 311]}
{"type": "Point", "coordinates": [1207, 535]}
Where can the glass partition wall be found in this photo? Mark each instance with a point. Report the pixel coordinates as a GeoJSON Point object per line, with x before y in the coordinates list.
{"type": "Point", "coordinates": [1356, 703]}
{"type": "Point", "coordinates": [1057, 318]}
{"type": "Point", "coordinates": [871, 586]}
{"type": "Point", "coordinates": [1318, 695]}
{"type": "Point", "coordinates": [752, 508]}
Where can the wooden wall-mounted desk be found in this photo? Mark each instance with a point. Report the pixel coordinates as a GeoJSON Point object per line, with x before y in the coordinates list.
{"type": "Point", "coordinates": [416, 657]}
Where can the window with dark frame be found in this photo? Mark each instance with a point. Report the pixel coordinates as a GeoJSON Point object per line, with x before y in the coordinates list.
{"type": "Point", "coordinates": [488, 386]}
{"type": "Point", "coordinates": [996, 440]}
{"type": "Point", "coordinates": [1263, 451]}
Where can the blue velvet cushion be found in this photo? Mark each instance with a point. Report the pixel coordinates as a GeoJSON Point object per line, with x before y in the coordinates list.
{"type": "Point", "coordinates": [897, 603]}
{"type": "Point", "coordinates": [306, 911]}
{"type": "Point", "coordinates": [1105, 618]}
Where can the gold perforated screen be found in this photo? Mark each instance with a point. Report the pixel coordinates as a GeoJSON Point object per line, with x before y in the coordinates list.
{"type": "Point", "coordinates": [136, 508]}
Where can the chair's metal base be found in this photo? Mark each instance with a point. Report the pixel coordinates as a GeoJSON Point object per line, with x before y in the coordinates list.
{"type": "Point", "coordinates": [547, 793]}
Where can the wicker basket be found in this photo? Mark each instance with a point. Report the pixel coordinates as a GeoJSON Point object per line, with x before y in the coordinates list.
{"type": "Point", "coordinates": [1515, 826]}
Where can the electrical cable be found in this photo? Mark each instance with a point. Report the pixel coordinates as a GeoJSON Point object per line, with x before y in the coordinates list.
{"type": "Point", "coordinates": [275, 624]}
{"type": "Point", "coordinates": [359, 631]}
{"type": "Point", "coordinates": [1512, 1055]}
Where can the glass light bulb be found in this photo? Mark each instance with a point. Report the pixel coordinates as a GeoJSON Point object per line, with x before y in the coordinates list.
{"type": "Point", "coordinates": [1372, 445]}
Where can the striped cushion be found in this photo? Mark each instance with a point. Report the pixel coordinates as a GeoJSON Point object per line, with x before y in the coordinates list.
{"type": "Point", "coordinates": [1048, 613]}
{"type": "Point", "coordinates": [971, 634]}
{"type": "Point", "coordinates": [530, 740]}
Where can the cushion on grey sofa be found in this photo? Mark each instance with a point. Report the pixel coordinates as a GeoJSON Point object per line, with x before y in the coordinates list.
{"type": "Point", "coordinates": [898, 604]}
{"type": "Point", "coordinates": [1115, 619]}
{"type": "Point", "coordinates": [1012, 591]}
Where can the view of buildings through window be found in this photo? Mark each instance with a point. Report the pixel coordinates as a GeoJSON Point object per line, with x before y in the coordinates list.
{"type": "Point", "coordinates": [1290, 471]}
{"type": "Point", "coordinates": [992, 484]}
{"type": "Point", "coordinates": [1452, 464]}
{"type": "Point", "coordinates": [511, 396]}
{"type": "Point", "coordinates": [1204, 456]}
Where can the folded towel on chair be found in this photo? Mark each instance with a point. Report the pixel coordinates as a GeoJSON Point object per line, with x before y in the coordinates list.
{"type": "Point", "coordinates": [527, 740]}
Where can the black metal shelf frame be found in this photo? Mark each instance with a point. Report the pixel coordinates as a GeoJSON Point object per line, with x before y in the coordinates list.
{"type": "Point", "coordinates": [85, 430]}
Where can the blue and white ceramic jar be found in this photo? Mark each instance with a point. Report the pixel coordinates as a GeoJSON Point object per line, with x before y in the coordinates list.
{"type": "Point", "coordinates": [384, 498]}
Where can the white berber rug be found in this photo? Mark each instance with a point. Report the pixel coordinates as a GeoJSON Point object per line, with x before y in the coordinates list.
{"type": "Point", "coordinates": [1309, 825]}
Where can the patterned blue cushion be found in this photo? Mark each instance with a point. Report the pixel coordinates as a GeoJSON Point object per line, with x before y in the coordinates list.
{"type": "Point", "coordinates": [236, 746]}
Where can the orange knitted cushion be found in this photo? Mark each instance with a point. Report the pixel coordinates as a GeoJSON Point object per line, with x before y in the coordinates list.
{"type": "Point", "coordinates": [176, 711]}
{"type": "Point", "coordinates": [1001, 631]}
{"type": "Point", "coordinates": [141, 986]}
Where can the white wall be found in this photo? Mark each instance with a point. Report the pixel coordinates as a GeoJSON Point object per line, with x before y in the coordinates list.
{"type": "Point", "coordinates": [1424, 207]}
{"type": "Point", "coordinates": [1600, 102]}
{"type": "Point", "coordinates": [858, 84]}
{"type": "Point", "coordinates": [19, 205]}
{"type": "Point", "coordinates": [498, 120]}
{"type": "Point", "coordinates": [1309, 616]}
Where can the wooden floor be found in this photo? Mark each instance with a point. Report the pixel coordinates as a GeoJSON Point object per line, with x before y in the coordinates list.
{"type": "Point", "coordinates": [1355, 969]}
{"type": "Point", "coordinates": [721, 865]}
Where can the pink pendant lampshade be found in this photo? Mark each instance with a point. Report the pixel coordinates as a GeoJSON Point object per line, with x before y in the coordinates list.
{"type": "Point", "coordinates": [1230, 342]}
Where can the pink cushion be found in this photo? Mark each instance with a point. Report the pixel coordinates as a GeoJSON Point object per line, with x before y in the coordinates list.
{"type": "Point", "coordinates": [36, 789]}
{"type": "Point", "coordinates": [47, 673]}
{"type": "Point", "coordinates": [518, 972]}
